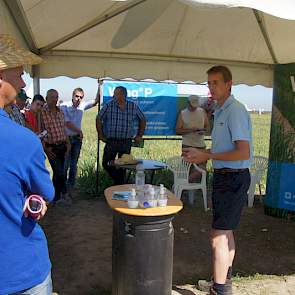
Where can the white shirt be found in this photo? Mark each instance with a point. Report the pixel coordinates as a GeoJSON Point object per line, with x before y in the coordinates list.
{"type": "Point", "coordinates": [196, 120]}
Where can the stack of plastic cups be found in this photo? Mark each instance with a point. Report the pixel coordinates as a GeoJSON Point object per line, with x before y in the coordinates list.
{"type": "Point", "coordinates": [151, 198]}
{"type": "Point", "coordinates": [163, 199]}
{"type": "Point", "coordinates": [132, 200]}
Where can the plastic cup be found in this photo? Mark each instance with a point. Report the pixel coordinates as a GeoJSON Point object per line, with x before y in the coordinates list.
{"type": "Point", "coordinates": [132, 204]}
{"type": "Point", "coordinates": [162, 202]}
{"type": "Point", "coordinates": [34, 206]}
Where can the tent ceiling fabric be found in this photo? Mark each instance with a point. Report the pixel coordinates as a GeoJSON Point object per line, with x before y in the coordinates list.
{"type": "Point", "coordinates": [167, 39]}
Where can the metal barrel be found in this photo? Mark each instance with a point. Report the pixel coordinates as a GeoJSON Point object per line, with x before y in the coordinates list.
{"type": "Point", "coordinates": [142, 255]}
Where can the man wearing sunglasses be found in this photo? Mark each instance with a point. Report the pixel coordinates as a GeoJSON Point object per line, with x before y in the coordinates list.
{"type": "Point", "coordinates": [73, 112]}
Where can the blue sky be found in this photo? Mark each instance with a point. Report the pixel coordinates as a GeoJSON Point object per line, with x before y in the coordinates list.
{"type": "Point", "coordinates": [254, 97]}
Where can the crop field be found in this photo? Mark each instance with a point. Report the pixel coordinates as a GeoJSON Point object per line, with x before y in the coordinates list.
{"type": "Point", "coordinates": [153, 149]}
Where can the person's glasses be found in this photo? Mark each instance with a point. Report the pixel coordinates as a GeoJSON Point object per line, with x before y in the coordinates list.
{"type": "Point", "coordinates": [78, 96]}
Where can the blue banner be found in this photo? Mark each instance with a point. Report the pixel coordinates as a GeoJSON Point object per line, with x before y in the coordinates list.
{"type": "Point", "coordinates": [158, 102]}
{"type": "Point", "coordinates": [287, 188]}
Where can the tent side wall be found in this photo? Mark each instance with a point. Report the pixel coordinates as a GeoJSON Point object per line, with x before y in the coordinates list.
{"type": "Point", "coordinates": [118, 66]}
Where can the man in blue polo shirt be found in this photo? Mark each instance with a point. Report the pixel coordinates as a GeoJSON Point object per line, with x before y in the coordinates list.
{"type": "Point", "coordinates": [25, 267]}
{"type": "Point", "coordinates": [115, 126]}
{"type": "Point", "coordinates": [231, 153]}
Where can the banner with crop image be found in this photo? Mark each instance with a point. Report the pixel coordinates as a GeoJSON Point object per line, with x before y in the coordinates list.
{"type": "Point", "coordinates": [280, 193]}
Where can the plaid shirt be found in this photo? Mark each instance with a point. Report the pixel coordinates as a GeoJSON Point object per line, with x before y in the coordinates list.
{"type": "Point", "coordinates": [120, 123]}
{"type": "Point", "coordinates": [15, 115]}
{"type": "Point", "coordinates": [54, 124]}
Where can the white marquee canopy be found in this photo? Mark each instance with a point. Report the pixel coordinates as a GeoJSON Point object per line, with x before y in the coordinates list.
{"type": "Point", "coordinates": [159, 39]}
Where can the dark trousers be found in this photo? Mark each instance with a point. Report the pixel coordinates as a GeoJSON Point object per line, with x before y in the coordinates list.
{"type": "Point", "coordinates": [58, 168]}
{"type": "Point", "coordinates": [72, 160]}
{"type": "Point", "coordinates": [113, 148]}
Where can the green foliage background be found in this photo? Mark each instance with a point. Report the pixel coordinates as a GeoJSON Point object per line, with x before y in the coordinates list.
{"type": "Point", "coordinates": [155, 149]}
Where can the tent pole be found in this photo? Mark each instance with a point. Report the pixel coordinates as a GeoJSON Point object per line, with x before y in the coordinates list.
{"type": "Point", "coordinates": [36, 78]}
{"type": "Point", "coordinates": [265, 35]}
{"type": "Point", "coordinates": [97, 187]}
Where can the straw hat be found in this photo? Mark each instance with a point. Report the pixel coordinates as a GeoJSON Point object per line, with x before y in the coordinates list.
{"type": "Point", "coordinates": [13, 56]}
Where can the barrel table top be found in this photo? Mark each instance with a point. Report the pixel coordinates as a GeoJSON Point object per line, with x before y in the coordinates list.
{"type": "Point", "coordinates": [174, 205]}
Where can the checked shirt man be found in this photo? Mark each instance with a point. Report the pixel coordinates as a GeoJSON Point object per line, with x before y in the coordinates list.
{"type": "Point", "coordinates": [115, 125]}
{"type": "Point", "coordinates": [56, 144]}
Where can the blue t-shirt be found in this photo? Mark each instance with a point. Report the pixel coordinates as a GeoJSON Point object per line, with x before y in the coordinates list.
{"type": "Point", "coordinates": [24, 259]}
{"type": "Point", "coordinates": [231, 123]}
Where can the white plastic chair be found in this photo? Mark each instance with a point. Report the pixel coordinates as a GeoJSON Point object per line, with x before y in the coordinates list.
{"type": "Point", "coordinates": [181, 170]}
{"type": "Point", "coordinates": [257, 169]}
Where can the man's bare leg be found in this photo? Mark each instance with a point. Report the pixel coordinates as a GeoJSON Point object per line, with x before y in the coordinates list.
{"type": "Point", "coordinates": [232, 249]}
{"type": "Point", "coordinates": [220, 254]}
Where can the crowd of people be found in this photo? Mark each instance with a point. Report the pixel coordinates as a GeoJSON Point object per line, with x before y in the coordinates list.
{"type": "Point", "coordinates": [25, 264]}
{"type": "Point", "coordinates": [59, 129]}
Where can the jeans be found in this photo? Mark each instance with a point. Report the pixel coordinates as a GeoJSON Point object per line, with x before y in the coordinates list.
{"type": "Point", "coordinates": [45, 288]}
{"type": "Point", "coordinates": [58, 168]}
{"type": "Point", "coordinates": [72, 160]}
{"type": "Point", "coordinates": [113, 148]}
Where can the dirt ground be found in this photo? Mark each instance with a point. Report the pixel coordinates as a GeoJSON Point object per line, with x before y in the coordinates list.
{"type": "Point", "coordinates": [80, 236]}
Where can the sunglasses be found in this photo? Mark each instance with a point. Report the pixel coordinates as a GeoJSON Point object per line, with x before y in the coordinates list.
{"type": "Point", "coordinates": [79, 96]}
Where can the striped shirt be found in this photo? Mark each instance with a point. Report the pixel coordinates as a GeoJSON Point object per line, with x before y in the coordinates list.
{"type": "Point", "coordinates": [54, 124]}
{"type": "Point", "coordinates": [120, 123]}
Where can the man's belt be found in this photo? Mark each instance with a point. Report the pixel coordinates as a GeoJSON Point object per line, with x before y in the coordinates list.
{"type": "Point", "coordinates": [229, 170]}
{"type": "Point", "coordinates": [111, 139]}
{"type": "Point", "coordinates": [56, 144]}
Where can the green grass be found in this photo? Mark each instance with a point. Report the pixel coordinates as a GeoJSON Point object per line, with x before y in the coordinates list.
{"type": "Point", "coordinates": [156, 150]}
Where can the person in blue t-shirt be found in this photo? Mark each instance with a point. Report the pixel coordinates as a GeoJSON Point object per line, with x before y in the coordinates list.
{"type": "Point", "coordinates": [25, 267]}
{"type": "Point", "coordinates": [231, 153]}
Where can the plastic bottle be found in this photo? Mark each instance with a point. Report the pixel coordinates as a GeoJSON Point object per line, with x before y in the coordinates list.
{"type": "Point", "coordinates": [139, 176]}
{"type": "Point", "coordinates": [132, 199]}
{"type": "Point", "coordinates": [139, 184]}
{"type": "Point", "coordinates": [162, 199]}
{"type": "Point", "coordinates": [150, 197]}
{"type": "Point", "coordinates": [147, 197]}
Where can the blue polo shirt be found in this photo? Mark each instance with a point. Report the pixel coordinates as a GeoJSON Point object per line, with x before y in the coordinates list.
{"type": "Point", "coordinates": [24, 260]}
{"type": "Point", "coordinates": [231, 123]}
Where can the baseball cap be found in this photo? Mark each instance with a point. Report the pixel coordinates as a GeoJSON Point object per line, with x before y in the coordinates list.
{"type": "Point", "coordinates": [194, 100]}
{"type": "Point", "coordinates": [22, 95]}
